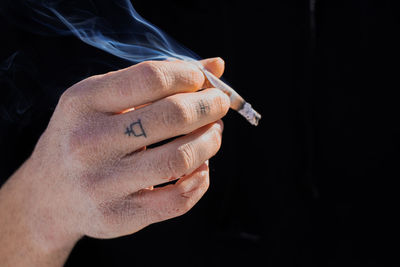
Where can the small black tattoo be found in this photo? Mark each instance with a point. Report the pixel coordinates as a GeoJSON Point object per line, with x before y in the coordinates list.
{"type": "Point", "coordinates": [203, 107]}
{"type": "Point", "coordinates": [135, 129]}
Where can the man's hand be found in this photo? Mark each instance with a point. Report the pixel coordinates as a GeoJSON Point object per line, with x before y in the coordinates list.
{"type": "Point", "coordinates": [91, 174]}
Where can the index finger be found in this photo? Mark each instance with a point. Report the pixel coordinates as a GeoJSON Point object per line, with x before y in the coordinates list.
{"type": "Point", "coordinates": [147, 82]}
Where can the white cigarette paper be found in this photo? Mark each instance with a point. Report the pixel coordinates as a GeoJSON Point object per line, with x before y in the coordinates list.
{"type": "Point", "coordinates": [237, 102]}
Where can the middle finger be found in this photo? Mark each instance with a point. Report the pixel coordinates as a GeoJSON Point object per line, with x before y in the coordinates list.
{"type": "Point", "coordinates": [172, 116]}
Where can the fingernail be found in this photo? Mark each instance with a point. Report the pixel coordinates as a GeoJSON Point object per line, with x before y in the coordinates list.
{"type": "Point", "coordinates": [220, 60]}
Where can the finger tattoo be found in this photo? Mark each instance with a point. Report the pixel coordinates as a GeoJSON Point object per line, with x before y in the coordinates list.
{"type": "Point", "coordinates": [203, 107]}
{"type": "Point", "coordinates": [135, 129]}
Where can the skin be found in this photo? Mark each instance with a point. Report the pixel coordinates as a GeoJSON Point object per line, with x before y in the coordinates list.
{"type": "Point", "coordinates": [90, 172]}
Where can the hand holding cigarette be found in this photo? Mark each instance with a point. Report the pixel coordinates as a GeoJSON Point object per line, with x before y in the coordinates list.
{"type": "Point", "coordinates": [90, 172]}
{"type": "Point", "coordinates": [237, 102]}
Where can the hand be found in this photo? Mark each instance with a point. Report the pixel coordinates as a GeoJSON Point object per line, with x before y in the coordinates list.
{"type": "Point", "coordinates": [90, 172]}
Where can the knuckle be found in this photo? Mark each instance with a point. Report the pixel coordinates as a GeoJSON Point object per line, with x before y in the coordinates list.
{"type": "Point", "coordinates": [189, 194]}
{"type": "Point", "coordinates": [77, 97]}
{"type": "Point", "coordinates": [69, 101]}
{"type": "Point", "coordinates": [171, 167]}
{"type": "Point", "coordinates": [180, 161]}
{"type": "Point", "coordinates": [154, 75]}
{"type": "Point", "coordinates": [177, 112]}
{"type": "Point", "coordinates": [220, 102]}
{"type": "Point", "coordinates": [184, 205]}
{"type": "Point", "coordinates": [186, 202]}
{"type": "Point", "coordinates": [95, 80]}
{"type": "Point", "coordinates": [186, 156]}
{"type": "Point", "coordinates": [194, 78]}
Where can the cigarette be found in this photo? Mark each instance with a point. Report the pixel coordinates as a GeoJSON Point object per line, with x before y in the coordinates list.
{"type": "Point", "coordinates": [237, 102]}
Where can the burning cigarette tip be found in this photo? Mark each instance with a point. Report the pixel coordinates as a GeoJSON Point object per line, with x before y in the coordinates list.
{"type": "Point", "coordinates": [250, 114]}
{"type": "Point", "coordinates": [237, 102]}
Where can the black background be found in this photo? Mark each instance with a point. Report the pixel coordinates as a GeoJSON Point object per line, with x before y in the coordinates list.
{"type": "Point", "coordinates": [315, 184]}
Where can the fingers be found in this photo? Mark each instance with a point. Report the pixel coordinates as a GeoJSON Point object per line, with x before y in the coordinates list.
{"type": "Point", "coordinates": [135, 211]}
{"type": "Point", "coordinates": [215, 65]}
{"type": "Point", "coordinates": [175, 115]}
{"type": "Point", "coordinates": [149, 205]}
{"type": "Point", "coordinates": [146, 82]}
{"type": "Point", "coordinates": [170, 161]}
{"type": "Point", "coordinates": [174, 200]}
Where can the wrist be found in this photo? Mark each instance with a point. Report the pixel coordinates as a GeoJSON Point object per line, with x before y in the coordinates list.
{"type": "Point", "coordinates": [29, 231]}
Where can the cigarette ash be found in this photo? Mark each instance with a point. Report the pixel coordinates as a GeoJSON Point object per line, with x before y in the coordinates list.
{"type": "Point", "coordinates": [245, 109]}
{"type": "Point", "coordinates": [250, 114]}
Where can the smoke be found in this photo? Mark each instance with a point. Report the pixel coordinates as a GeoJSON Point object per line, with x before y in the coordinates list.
{"type": "Point", "coordinates": [112, 26]}
{"type": "Point", "coordinates": [16, 74]}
